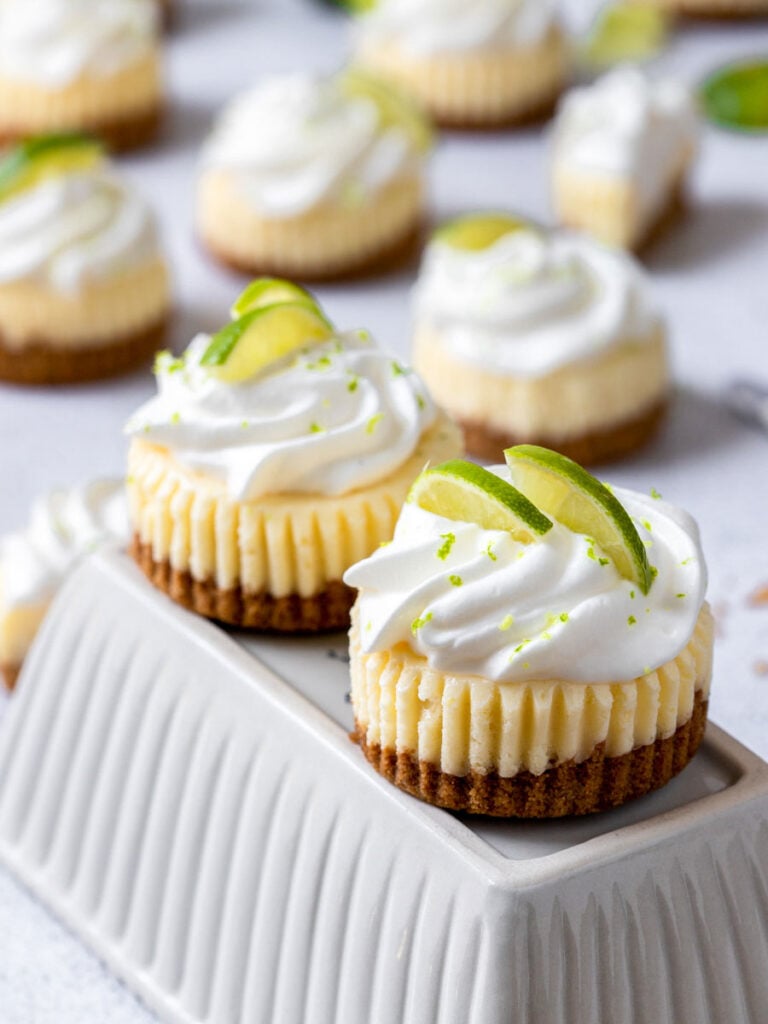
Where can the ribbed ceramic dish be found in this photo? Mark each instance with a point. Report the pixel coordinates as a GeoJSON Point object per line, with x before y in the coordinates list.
{"type": "Point", "coordinates": [189, 803]}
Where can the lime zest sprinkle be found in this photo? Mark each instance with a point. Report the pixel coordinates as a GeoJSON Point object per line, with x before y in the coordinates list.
{"type": "Point", "coordinates": [322, 363]}
{"type": "Point", "coordinates": [506, 623]}
{"type": "Point", "coordinates": [546, 635]}
{"type": "Point", "coordinates": [384, 543]}
{"type": "Point", "coordinates": [680, 596]}
{"type": "Point", "coordinates": [420, 402]}
{"type": "Point", "coordinates": [687, 561]}
{"type": "Point", "coordinates": [604, 561]}
{"type": "Point", "coordinates": [368, 626]}
{"type": "Point", "coordinates": [373, 422]}
{"type": "Point", "coordinates": [646, 670]}
{"type": "Point", "coordinates": [397, 369]}
{"type": "Point", "coordinates": [631, 621]}
{"type": "Point", "coordinates": [448, 539]}
{"type": "Point", "coordinates": [491, 553]}
{"type": "Point", "coordinates": [176, 417]}
{"type": "Point", "coordinates": [646, 523]}
{"type": "Point", "coordinates": [244, 424]}
{"type": "Point", "coordinates": [456, 581]}
{"type": "Point", "coordinates": [526, 664]}
{"type": "Point", "coordinates": [655, 494]}
{"type": "Point", "coordinates": [165, 362]}
{"type": "Point", "coordinates": [363, 335]}
{"type": "Point", "coordinates": [654, 572]}
{"type": "Point", "coordinates": [417, 624]}
{"type": "Point", "coordinates": [564, 616]}
{"type": "Point", "coordinates": [353, 383]}
{"type": "Point", "coordinates": [591, 554]}
{"type": "Point", "coordinates": [315, 428]}
{"type": "Point", "coordinates": [632, 594]}
{"type": "Point", "coordinates": [521, 645]}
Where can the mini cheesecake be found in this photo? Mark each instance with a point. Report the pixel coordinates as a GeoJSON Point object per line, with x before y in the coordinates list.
{"type": "Point", "coordinates": [315, 178]}
{"type": "Point", "coordinates": [623, 149]}
{"type": "Point", "coordinates": [484, 64]}
{"type": "Point", "coordinates": [528, 335]}
{"type": "Point", "coordinates": [64, 527]}
{"type": "Point", "coordinates": [515, 653]}
{"type": "Point", "coordinates": [84, 288]}
{"type": "Point", "coordinates": [276, 453]}
{"type": "Point", "coordinates": [81, 66]}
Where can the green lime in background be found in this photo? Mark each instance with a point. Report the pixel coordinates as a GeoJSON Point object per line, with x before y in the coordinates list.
{"type": "Point", "coordinates": [736, 96]}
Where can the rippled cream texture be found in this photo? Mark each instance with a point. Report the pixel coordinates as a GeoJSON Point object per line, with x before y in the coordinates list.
{"type": "Point", "coordinates": [64, 527]}
{"type": "Point", "coordinates": [476, 602]}
{"type": "Point", "coordinates": [533, 302]}
{"type": "Point", "coordinates": [337, 417]}
{"type": "Point", "coordinates": [74, 229]}
{"type": "Point", "coordinates": [429, 27]}
{"type": "Point", "coordinates": [297, 141]}
{"type": "Point", "coordinates": [55, 42]}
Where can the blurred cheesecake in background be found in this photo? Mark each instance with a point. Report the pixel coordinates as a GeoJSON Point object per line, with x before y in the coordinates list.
{"type": "Point", "coordinates": [84, 288]}
{"type": "Point", "coordinates": [81, 65]}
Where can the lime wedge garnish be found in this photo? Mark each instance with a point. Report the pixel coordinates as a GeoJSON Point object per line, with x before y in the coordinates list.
{"type": "Point", "coordinates": [625, 32]}
{"type": "Point", "coordinates": [576, 499]}
{"type": "Point", "coordinates": [249, 345]}
{"type": "Point", "coordinates": [395, 108]}
{"type": "Point", "coordinates": [474, 232]}
{"type": "Point", "coordinates": [737, 96]}
{"type": "Point", "coordinates": [470, 494]}
{"type": "Point", "coordinates": [45, 156]}
{"type": "Point", "coordinates": [269, 291]}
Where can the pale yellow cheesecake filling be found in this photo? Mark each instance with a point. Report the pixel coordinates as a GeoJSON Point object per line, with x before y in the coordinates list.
{"type": "Point", "coordinates": [616, 386]}
{"type": "Point", "coordinates": [612, 209]}
{"type": "Point", "coordinates": [490, 84]}
{"type": "Point", "coordinates": [326, 236]}
{"type": "Point", "coordinates": [18, 627]}
{"type": "Point", "coordinates": [465, 723]}
{"type": "Point", "coordinates": [27, 108]}
{"type": "Point", "coordinates": [279, 544]}
{"type": "Point", "coordinates": [100, 312]}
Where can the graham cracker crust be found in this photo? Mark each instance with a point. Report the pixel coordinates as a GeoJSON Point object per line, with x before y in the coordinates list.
{"type": "Point", "coordinates": [118, 134]}
{"type": "Point", "coordinates": [532, 117]}
{"type": "Point", "coordinates": [10, 674]}
{"type": "Point", "coordinates": [400, 255]}
{"type": "Point", "coordinates": [44, 363]}
{"type": "Point", "coordinates": [323, 612]}
{"type": "Point", "coordinates": [586, 449]}
{"type": "Point", "coordinates": [597, 784]}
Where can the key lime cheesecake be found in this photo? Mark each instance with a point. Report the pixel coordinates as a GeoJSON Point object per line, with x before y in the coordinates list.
{"type": "Point", "coordinates": [545, 337]}
{"type": "Point", "coordinates": [532, 643]}
{"type": "Point", "coordinates": [276, 454]}
{"type": "Point", "coordinates": [64, 528]}
{"type": "Point", "coordinates": [483, 64]}
{"type": "Point", "coordinates": [84, 289]}
{"type": "Point", "coordinates": [80, 65]}
{"type": "Point", "coordinates": [623, 149]}
{"type": "Point", "coordinates": [315, 177]}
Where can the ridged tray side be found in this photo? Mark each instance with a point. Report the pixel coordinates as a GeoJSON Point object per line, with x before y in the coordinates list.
{"type": "Point", "coordinates": [211, 848]}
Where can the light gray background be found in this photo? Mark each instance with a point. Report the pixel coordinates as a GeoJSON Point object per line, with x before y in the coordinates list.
{"type": "Point", "coordinates": [711, 277]}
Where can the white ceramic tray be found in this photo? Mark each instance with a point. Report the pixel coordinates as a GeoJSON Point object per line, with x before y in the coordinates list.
{"type": "Point", "coordinates": [189, 803]}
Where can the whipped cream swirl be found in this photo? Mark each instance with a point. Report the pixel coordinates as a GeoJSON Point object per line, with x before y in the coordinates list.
{"type": "Point", "coordinates": [74, 228]}
{"type": "Point", "coordinates": [54, 42]}
{"type": "Point", "coordinates": [64, 527]}
{"type": "Point", "coordinates": [428, 27]}
{"type": "Point", "coordinates": [477, 602]}
{"type": "Point", "coordinates": [296, 141]}
{"type": "Point", "coordinates": [627, 124]}
{"type": "Point", "coordinates": [337, 417]}
{"type": "Point", "coordinates": [532, 302]}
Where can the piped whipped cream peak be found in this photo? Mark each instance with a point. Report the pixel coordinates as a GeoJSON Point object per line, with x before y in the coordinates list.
{"type": "Point", "coordinates": [627, 124]}
{"type": "Point", "coordinates": [478, 602]}
{"type": "Point", "coordinates": [75, 227]}
{"type": "Point", "coordinates": [330, 419]}
{"type": "Point", "coordinates": [55, 42]}
{"type": "Point", "coordinates": [297, 141]}
{"type": "Point", "coordinates": [431, 27]}
{"type": "Point", "coordinates": [64, 527]}
{"type": "Point", "coordinates": [533, 301]}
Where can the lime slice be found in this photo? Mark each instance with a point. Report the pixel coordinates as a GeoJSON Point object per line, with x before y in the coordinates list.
{"type": "Point", "coordinates": [577, 500]}
{"type": "Point", "coordinates": [737, 97]}
{"type": "Point", "coordinates": [470, 494]}
{"type": "Point", "coordinates": [249, 345]}
{"type": "Point", "coordinates": [45, 156]}
{"type": "Point", "coordinates": [358, 6]}
{"type": "Point", "coordinates": [477, 231]}
{"type": "Point", "coordinates": [270, 291]}
{"type": "Point", "coordinates": [396, 110]}
{"type": "Point", "coordinates": [626, 32]}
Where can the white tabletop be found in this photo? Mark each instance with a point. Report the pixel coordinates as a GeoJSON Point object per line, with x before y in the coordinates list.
{"type": "Point", "coordinates": [711, 277]}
